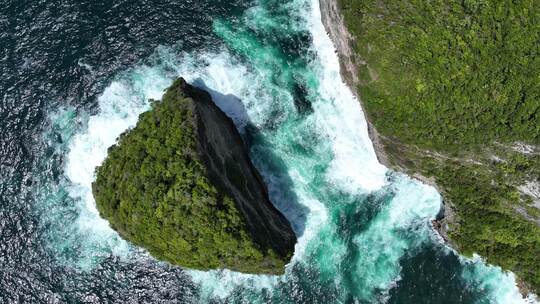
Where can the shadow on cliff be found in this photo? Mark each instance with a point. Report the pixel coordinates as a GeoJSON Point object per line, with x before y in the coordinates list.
{"type": "Point", "coordinates": [271, 166]}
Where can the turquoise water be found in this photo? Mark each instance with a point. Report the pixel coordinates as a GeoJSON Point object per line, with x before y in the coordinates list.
{"type": "Point", "coordinates": [364, 232]}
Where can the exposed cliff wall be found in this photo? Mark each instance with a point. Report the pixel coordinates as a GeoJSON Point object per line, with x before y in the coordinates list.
{"type": "Point", "coordinates": [333, 22]}
{"type": "Point", "coordinates": [229, 168]}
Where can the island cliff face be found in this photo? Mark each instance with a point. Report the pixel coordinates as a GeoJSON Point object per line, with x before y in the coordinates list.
{"type": "Point", "coordinates": [229, 168]}
{"type": "Point", "coordinates": [451, 97]}
{"type": "Point", "coordinates": [181, 185]}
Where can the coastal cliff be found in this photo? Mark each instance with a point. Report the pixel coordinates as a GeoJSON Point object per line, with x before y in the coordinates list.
{"type": "Point", "coordinates": [350, 64]}
{"type": "Point", "coordinates": [334, 24]}
{"type": "Point", "coordinates": [449, 100]}
{"type": "Point", "coordinates": [181, 185]}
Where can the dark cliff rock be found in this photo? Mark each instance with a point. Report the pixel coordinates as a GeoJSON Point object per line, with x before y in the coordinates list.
{"type": "Point", "coordinates": [231, 171]}
{"type": "Point", "coordinates": [181, 185]}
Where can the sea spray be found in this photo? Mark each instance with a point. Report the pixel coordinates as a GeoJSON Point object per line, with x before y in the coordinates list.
{"type": "Point", "coordinates": [90, 236]}
{"type": "Point", "coordinates": [502, 286]}
{"type": "Point", "coordinates": [308, 136]}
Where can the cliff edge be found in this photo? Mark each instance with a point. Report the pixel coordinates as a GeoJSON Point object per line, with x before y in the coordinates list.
{"type": "Point", "coordinates": [449, 100]}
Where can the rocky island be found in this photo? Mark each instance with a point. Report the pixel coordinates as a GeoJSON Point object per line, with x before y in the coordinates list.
{"type": "Point", "coordinates": [181, 185]}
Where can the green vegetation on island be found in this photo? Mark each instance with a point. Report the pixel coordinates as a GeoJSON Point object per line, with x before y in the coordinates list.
{"type": "Point", "coordinates": [156, 190]}
{"type": "Point", "coordinates": [453, 89]}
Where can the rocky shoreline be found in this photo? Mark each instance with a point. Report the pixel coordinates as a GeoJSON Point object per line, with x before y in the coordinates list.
{"type": "Point", "coordinates": [342, 40]}
{"type": "Point", "coordinates": [334, 24]}
{"type": "Point", "coordinates": [181, 185]}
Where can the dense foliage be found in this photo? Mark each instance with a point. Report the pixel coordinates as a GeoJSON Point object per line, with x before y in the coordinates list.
{"type": "Point", "coordinates": [154, 190]}
{"type": "Point", "coordinates": [450, 71]}
{"type": "Point", "coordinates": [452, 86]}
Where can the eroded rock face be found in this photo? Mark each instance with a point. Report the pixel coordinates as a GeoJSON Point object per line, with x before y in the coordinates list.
{"type": "Point", "coordinates": [181, 185]}
{"type": "Point", "coordinates": [226, 158]}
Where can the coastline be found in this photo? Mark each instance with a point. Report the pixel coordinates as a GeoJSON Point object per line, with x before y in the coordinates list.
{"type": "Point", "coordinates": [333, 22]}
{"type": "Point", "coordinates": [342, 40]}
{"type": "Point", "coordinates": [335, 27]}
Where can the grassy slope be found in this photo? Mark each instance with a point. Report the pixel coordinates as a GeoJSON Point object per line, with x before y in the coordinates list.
{"type": "Point", "coordinates": [154, 190]}
{"type": "Point", "coordinates": [452, 86]}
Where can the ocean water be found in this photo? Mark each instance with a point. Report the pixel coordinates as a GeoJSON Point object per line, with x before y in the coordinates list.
{"type": "Point", "coordinates": [76, 74]}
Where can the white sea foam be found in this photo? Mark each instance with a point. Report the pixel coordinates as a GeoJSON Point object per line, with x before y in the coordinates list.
{"type": "Point", "coordinates": [500, 285]}
{"type": "Point", "coordinates": [119, 106]}
{"type": "Point", "coordinates": [242, 92]}
{"type": "Point", "coordinates": [382, 245]}
{"type": "Point", "coordinates": [221, 283]}
{"type": "Point", "coordinates": [413, 201]}
{"type": "Point", "coordinates": [355, 166]}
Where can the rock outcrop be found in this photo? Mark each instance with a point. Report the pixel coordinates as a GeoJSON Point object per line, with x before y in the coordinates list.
{"type": "Point", "coordinates": [181, 185]}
